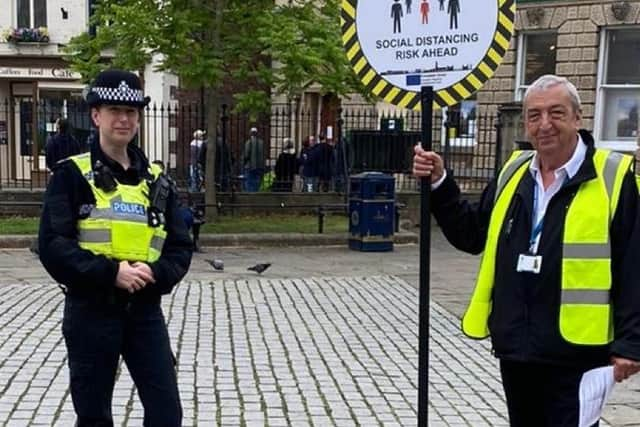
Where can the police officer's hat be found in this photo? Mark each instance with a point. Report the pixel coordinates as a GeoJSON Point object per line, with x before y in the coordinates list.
{"type": "Point", "coordinates": [117, 87]}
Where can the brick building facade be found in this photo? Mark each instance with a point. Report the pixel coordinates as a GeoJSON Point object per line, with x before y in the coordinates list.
{"type": "Point", "coordinates": [595, 44]}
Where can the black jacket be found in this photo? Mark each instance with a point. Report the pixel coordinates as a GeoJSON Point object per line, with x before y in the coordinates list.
{"type": "Point", "coordinates": [524, 321]}
{"type": "Point", "coordinates": [286, 166]}
{"type": "Point", "coordinates": [321, 156]}
{"type": "Point", "coordinates": [68, 198]}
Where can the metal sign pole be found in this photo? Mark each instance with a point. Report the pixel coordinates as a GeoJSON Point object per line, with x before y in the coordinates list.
{"type": "Point", "coordinates": [392, 57]}
{"type": "Point", "coordinates": [426, 101]}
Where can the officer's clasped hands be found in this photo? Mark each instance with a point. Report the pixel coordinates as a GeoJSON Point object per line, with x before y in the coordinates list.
{"type": "Point", "coordinates": [133, 277]}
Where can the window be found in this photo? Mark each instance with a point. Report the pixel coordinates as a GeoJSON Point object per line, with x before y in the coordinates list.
{"type": "Point", "coordinates": [460, 124]}
{"type": "Point", "coordinates": [92, 9]}
{"type": "Point", "coordinates": [536, 57]}
{"type": "Point", "coordinates": [462, 118]}
{"type": "Point", "coordinates": [58, 102]}
{"type": "Point", "coordinates": [32, 13]}
{"type": "Point", "coordinates": [618, 89]}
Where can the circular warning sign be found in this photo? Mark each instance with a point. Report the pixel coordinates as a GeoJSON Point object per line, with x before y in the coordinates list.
{"type": "Point", "coordinates": [397, 46]}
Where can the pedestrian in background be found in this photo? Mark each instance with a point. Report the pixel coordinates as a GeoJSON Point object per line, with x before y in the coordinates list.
{"type": "Point", "coordinates": [58, 147]}
{"type": "Point", "coordinates": [254, 162]}
{"type": "Point", "coordinates": [112, 235]}
{"type": "Point", "coordinates": [224, 165]}
{"type": "Point", "coordinates": [61, 145]}
{"type": "Point", "coordinates": [192, 215]}
{"type": "Point", "coordinates": [557, 288]}
{"type": "Point", "coordinates": [309, 165]}
{"type": "Point", "coordinates": [286, 167]}
{"type": "Point", "coordinates": [340, 166]}
{"type": "Point", "coordinates": [196, 164]}
{"type": "Point", "coordinates": [322, 155]}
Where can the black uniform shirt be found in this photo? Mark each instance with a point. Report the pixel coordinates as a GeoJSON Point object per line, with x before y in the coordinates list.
{"type": "Point", "coordinates": [69, 198]}
{"type": "Point", "coordinates": [524, 320]}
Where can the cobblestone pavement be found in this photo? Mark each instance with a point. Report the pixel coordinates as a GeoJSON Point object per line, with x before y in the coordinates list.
{"type": "Point", "coordinates": [325, 337]}
{"type": "Point", "coordinates": [314, 351]}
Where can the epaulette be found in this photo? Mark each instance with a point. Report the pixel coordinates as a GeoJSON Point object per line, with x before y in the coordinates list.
{"type": "Point", "coordinates": [60, 163]}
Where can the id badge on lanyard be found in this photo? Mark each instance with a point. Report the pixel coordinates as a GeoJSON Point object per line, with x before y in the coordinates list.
{"type": "Point", "coordinates": [530, 262]}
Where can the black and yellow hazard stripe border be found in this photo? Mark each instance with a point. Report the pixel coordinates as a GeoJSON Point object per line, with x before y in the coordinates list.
{"type": "Point", "coordinates": [450, 95]}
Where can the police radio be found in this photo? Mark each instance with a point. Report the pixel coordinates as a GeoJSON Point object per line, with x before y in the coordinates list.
{"type": "Point", "coordinates": [103, 177]}
{"type": "Point", "coordinates": [158, 195]}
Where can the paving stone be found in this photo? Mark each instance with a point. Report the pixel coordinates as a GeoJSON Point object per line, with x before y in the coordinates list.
{"type": "Point", "coordinates": [321, 351]}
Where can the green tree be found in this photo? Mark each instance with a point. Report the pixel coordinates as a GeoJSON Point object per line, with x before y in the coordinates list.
{"type": "Point", "coordinates": [206, 43]}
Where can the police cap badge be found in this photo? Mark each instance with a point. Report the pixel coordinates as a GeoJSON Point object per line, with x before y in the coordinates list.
{"type": "Point", "coordinates": [117, 87]}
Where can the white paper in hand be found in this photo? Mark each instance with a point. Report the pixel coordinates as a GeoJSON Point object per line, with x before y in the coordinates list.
{"type": "Point", "coordinates": [595, 387]}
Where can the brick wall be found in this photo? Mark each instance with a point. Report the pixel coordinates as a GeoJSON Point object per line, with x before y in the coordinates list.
{"type": "Point", "coordinates": [578, 25]}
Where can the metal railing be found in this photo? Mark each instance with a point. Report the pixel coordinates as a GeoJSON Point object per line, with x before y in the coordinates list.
{"type": "Point", "coordinates": [357, 139]}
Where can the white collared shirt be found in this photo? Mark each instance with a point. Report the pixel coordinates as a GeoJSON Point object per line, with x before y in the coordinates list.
{"type": "Point", "coordinates": [562, 174]}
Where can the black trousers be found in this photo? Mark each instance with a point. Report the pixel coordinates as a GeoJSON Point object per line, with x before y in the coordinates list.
{"type": "Point", "coordinates": [96, 335]}
{"type": "Point", "coordinates": [541, 395]}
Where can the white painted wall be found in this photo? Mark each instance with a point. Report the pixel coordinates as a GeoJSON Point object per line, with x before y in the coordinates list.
{"type": "Point", "coordinates": [7, 15]}
{"type": "Point", "coordinates": [157, 84]}
{"type": "Point", "coordinates": [4, 117]}
{"type": "Point", "coordinates": [158, 87]}
{"type": "Point", "coordinates": [60, 30]}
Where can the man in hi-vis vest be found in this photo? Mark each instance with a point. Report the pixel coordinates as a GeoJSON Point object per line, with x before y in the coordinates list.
{"type": "Point", "coordinates": [557, 289]}
{"type": "Point", "coordinates": [112, 235]}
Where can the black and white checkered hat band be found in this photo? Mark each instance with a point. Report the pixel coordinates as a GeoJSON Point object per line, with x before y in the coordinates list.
{"type": "Point", "coordinates": [123, 93]}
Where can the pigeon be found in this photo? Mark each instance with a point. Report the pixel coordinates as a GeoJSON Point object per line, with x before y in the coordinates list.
{"type": "Point", "coordinates": [33, 247]}
{"type": "Point", "coordinates": [217, 264]}
{"type": "Point", "coordinates": [259, 268]}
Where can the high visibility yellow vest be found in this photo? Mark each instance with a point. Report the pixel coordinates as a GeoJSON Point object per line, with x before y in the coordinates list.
{"type": "Point", "coordinates": [585, 307]}
{"type": "Point", "coordinates": [117, 226]}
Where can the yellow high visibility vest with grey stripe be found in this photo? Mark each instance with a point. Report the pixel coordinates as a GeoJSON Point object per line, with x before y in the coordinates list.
{"type": "Point", "coordinates": [117, 226]}
{"type": "Point", "coordinates": [585, 307]}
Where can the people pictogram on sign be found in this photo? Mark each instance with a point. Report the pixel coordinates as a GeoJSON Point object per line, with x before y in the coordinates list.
{"type": "Point", "coordinates": [453, 8]}
{"type": "Point", "coordinates": [424, 11]}
{"type": "Point", "coordinates": [396, 14]}
{"type": "Point", "coordinates": [407, 6]}
{"type": "Point", "coordinates": [441, 4]}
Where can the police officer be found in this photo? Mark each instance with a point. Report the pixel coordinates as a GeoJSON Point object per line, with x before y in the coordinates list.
{"type": "Point", "coordinates": [112, 236]}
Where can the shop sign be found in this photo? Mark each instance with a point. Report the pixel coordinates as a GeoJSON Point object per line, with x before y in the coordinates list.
{"type": "Point", "coordinates": [39, 73]}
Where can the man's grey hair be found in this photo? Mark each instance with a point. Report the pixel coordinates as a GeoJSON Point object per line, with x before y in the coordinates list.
{"type": "Point", "coordinates": [550, 80]}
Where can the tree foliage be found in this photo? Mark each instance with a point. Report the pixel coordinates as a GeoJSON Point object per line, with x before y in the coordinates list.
{"type": "Point", "coordinates": [283, 47]}
{"type": "Point", "coordinates": [260, 46]}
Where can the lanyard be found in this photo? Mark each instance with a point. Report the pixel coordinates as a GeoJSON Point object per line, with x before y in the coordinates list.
{"type": "Point", "coordinates": [536, 230]}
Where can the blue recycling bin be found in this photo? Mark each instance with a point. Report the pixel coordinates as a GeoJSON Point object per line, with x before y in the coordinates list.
{"type": "Point", "coordinates": [371, 211]}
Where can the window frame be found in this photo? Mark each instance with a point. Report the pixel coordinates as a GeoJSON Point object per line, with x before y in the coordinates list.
{"type": "Point", "coordinates": [32, 14]}
{"type": "Point", "coordinates": [520, 87]}
{"type": "Point", "coordinates": [468, 140]}
{"type": "Point", "coordinates": [601, 92]}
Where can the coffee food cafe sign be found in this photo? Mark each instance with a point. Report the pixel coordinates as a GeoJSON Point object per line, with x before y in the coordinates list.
{"type": "Point", "coordinates": [38, 73]}
{"type": "Point", "coordinates": [397, 46]}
